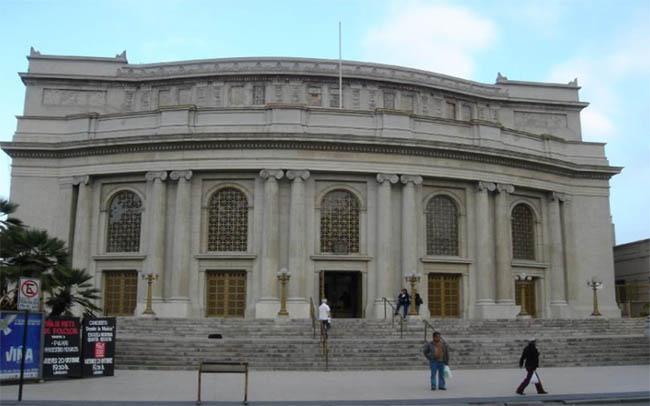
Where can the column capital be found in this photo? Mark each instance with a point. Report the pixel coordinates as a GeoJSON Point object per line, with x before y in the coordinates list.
{"type": "Point", "coordinates": [387, 177]}
{"type": "Point", "coordinates": [178, 175]}
{"type": "Point", "coordinates": [78, 180]}
{"type": "Point", "coordinates": [505, 188]}
{"type": "Point", "coordinates": [271, 173]}
{"type": "Point", "coordinates": [298, 175]}
{"type": "Point", "coordinates": [153, 175]}
{"type": "Point", "coordinates": [560, 197]}
{"type": "Point", "coordinates": [486, 186]}
{"type": "Point", "coordinates": [415, 179]}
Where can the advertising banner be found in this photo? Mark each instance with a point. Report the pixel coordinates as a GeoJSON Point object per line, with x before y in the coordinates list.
{"type": "Point", "coordinates": [62, 350]}
{"type": "Point", "coordinates": [98, 346]}
{"type": "Point", "coordinates": [12, 326]}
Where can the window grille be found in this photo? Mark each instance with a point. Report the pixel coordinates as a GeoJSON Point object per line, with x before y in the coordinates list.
{"type": "Point", "coordinates": [124, 220]}
{"type": "Point", "coordinates": [228, 221]}
{"type": "Point", "coordinates": [442, 226]}
{"type": "Point", "coordinates": [339, 223]}
{"type": "Point", "coordinates": [523, 233]}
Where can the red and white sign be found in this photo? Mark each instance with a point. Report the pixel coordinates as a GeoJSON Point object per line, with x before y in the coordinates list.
{"type": "Point", "coordinates": [100, 349]}
{"type": "Point", "coordinates": [29, 293]}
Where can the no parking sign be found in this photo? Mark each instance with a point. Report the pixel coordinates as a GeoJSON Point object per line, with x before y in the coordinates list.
{"type": "Point", "coordinates": [29, 294]}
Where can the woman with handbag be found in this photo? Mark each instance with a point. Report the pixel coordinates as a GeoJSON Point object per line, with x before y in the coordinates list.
{"type": "Point", "coordinates": [530, 358]}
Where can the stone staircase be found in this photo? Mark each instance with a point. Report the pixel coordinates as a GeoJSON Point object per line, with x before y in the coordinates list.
{"type": "Point", "coordinates": [150, 343]}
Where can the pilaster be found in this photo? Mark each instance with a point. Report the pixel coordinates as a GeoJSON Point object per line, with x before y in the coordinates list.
{"type": "Point", "coordinates": [505, 297]}
{"type": "Point", "coordinates": [384, 261]}
{"type": "Point", "coordinates": [297, 305]}
{"type": "Point", "coordinates": [268, 304]}
{"type": "Point", "coordinates": [156, 233]}
{"type": "Point", "coordinates": [181, 248]}
{"type": "Point", "coordinates": [409, 225]}
{"type": "Point", "coordinates": [484, 265]}
{"type": "Point", "coordinates": [81, 242]}
{"type": "Point", "coordinates": [557, 275]}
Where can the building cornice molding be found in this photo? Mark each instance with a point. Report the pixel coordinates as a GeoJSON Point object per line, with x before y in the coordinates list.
{"type": "Point", "coordinates": [429, 149]}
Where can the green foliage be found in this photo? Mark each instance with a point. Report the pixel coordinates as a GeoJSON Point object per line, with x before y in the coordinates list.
{"type": "Point", "coordinates": [29, 252]}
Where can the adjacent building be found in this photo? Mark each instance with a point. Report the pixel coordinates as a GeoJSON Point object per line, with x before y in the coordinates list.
{"type": "Point", "coordinates": [215, 174]}
{"type": "Point", "coordinates": [632, 272]}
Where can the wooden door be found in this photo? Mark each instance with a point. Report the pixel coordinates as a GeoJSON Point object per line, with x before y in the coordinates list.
{"type": "Point", "coordinates": [120, 292]}
{"type": "Point", "coordinates": [225, 293]}
{"type": "Point", "coordinates": [527, 288]}
{"type": "Point", "coordinates": [444, 295]}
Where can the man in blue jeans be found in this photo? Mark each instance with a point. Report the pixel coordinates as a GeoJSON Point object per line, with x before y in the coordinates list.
{"type": "Point", "coordinates": [437, 353]}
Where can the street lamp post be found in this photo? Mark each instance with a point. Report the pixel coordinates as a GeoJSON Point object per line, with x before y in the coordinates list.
{"type": "Point", "coordinates": [150, 277]}
{"type": "Point", "coordinates": [522, 293]}
{"type": "Point", "coordinates": [595, 284]}
{"type": "Point", "coordinates": [413, 279]}
{"type": "Point", "coordinates": [283, 276]}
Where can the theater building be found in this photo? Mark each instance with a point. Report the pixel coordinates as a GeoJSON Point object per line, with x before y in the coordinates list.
{"type": "Point", "coordinates": [216, 174]}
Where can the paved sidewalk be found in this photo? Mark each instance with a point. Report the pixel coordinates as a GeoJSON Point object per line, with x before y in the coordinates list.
{"type": "Point", "coordinates": [334, 387]}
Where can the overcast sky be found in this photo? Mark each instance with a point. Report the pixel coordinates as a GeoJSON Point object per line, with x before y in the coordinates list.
{"type": "Point", "coordinates": [605, 44]}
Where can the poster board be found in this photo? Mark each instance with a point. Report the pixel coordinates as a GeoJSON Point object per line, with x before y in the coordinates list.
{"type": "Point", "coordinates": [12, 326]}
{"type": "Point", "coordinates": [62, 348]}
{"type": "Point", "coordinates": [98, 346]}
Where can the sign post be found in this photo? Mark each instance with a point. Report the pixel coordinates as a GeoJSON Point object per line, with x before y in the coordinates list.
{"type": "Point", "coordinates": [29, 294]}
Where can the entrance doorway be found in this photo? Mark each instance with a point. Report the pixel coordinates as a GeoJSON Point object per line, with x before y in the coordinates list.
{"type": "Point", "coordinates": [527, 289]}
{"type": "Point", "coordinates": [444, 295]}
{"type": "Point", "coordinates": [120, 292]}
{"type": "Point", "coordinates": [343, 292]}
{"type": "Point", "coordinates": [225, 293]}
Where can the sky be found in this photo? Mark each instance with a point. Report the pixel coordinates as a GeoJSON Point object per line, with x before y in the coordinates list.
{"type": "Point", "coordinates": [605, 44]}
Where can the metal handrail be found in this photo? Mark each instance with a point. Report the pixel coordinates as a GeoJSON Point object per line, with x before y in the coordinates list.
{"type": "Point", "coordinates": [312, 314]}
{"type": "Point", "coordinates": [392, 319]}
{"type": "Point", "coordinates": [426, 326]}
{"type": "Point", "coordinates": [324, 344]}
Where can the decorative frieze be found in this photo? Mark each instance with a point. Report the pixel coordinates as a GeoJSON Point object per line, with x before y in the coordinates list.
{"type": "Point", "coordinates": [70, 97]}
{"type": "Point", "coordinates": [543, 121]}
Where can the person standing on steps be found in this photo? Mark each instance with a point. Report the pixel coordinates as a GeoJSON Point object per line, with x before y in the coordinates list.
{"type": "Point", "coordinates": [403, 300]}
{"type": "Point", "coordinates": [437, 353]}
{"type": "Point", "coordinates": [418, 302]}
{"type": "Point", "coordinates": [530, 359]}
{"type": "Point", "coordinates": [324, 314]}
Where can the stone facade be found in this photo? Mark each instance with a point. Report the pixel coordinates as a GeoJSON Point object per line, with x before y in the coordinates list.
{"type": "Point", "coordinates": [241, 164]}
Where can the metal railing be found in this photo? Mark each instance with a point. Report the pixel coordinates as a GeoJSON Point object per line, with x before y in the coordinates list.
{"type": "Point", "coordinates": [312, 314]}
{"type": "Point", "coordinates": [427, 326]}
{"type": "Point", "coordinates": [387, 303]}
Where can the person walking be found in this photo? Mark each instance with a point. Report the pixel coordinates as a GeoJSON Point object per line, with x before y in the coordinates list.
{"type": "Point", "coordinates": [530, 359]}
{"type": "Point", "coordinates": [324, 315]}
{"type": "Point", "coordinates": [403, 301]}
{"type": "Point", "coordinates": [437, 353]}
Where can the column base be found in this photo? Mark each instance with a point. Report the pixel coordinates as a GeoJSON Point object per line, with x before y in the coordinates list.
{"type": "Point", "coordinates": [496, 310]}
{"type": "Point", "coordinates": [298, 308]}
{"type": "Point", "coordinates": [560, 310]}
{"type": "Point", "coordinates": [174, 307]}
{"type": "Point", "coordinates": [378, 310]}
{"type": "Point", "coordinates": [267, 308]}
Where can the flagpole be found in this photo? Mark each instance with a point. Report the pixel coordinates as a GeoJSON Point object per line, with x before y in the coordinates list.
{"type": "Point", "coordinates": [340, 72]}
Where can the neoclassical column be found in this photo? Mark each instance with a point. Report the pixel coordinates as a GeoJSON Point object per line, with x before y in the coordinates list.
{"type": "Point", "coordinates": [81, 242]}
{"type": "Point", "coordinates": [270, 234]}
{"type": "Point", "coordinates": [156, 231]}
{"type": "Point", "coordinates": [484, 265]}
{"type": "Point", "coordinates": [557, 274]}
{"type": "Point", "coordinates": [297, 236]}
{"type": "Point", "coordinates": [505, 285]}
{"type": "Point", "coordinates": [384, 232]}
{"type": "Point", "coordinates": [181, 248]}
{"type": "Point", "coordinates": [409, 225]}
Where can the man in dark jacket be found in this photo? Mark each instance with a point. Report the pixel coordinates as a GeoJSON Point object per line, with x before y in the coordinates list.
{"type": "Point", "coordinates": [530, 359]}
{"type": "Point", "coordinates": [437, 353]}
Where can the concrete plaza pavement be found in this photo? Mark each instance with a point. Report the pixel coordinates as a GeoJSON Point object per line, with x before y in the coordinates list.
{"type": "Point", "coordinates": [331, 387]}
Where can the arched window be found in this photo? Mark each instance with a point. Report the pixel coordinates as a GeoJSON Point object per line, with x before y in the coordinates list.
{"type": "Point", "coordinates": [442, 226]}
{"type": "Point", "coordinates": [523, 232]}
{"type": "Point", "coordinates": [339, 223]}
{"type": "Point", "coordinates": [124, 220]}
{"type": "Point", "coordinates": [228, 221]}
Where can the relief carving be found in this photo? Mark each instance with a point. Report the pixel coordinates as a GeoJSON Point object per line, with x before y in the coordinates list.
{"type": "Point", "coordinates": [487, 114]}
{"type": "Point", "coordinates": [216, 95]}
{"type": "Point", "coordinates": [185, 95]}
{"type": "Point", "coordinates": [372, 99]}
{"type": "Point", "coordinates": [526, 119]}
{"type": "Point", "coordinates": [466, 112]}
{"type": "Point", "coordinates": [129, 98]}
{"type": "Point", "coordinates": [145, 100]}
{"type": "Point", "coordinates": [236, 95]}
{"type": "Point", "coordinates": [406, 102]}
{"type": "Point", "coordinates": [356, 98]}
{"type": "Point", "coordinates": [278, 93]}
{"type": "Point", "coordinates": [165, 97]}
{"type": "Point", "coordinates": [68, 97]}
{"type": "Point", "coordinates": [202, 95]}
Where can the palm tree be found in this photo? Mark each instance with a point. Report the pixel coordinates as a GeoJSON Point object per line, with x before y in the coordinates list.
{"type": "Point", "coordinates": [6, 209]}
{"type": "Point", "coordinates": [27, 252]}
{"type": "Point", "coordinates": [70, 287]}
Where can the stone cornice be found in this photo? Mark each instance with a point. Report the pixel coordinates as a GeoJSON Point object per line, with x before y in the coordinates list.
{"type": "Point", "coordinates": [430, 149]}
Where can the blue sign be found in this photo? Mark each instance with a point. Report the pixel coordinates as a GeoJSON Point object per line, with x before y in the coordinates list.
{"type": "Point", "coordinates": [12, 326]}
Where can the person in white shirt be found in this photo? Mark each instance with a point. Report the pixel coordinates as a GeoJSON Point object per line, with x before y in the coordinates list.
{"type": "Point", "coordinates": [324, 314]}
